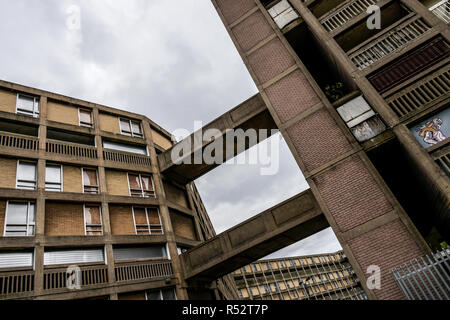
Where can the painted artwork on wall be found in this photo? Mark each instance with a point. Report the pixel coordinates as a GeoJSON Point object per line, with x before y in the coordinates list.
{"type": "Point", "coordinates": [433, 130]}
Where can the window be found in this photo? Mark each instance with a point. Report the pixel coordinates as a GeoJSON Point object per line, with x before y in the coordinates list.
{"type": "Point", "coordinates": [93, 221]}
{"type": "Point", "coordinates": [141, 186]}
{"type": "Point", "coordinates": [26, 175]}
{"type": "Point", "coordinates": [53, 178]}
{"type": "Point", "coordinates": [27, 105]}
{"type": "Point", "coordinates": [75, 256]}
{"type": "Point", "coordinates": [165, 294]}
{"type": "Point", "coordinates": [20, 219]}
{"type": "Point", "coordinates": [85, 116]}
{"type": "Point", "coordinates": [16, 260]}
{"type": "Point", "coordinates": [138, 149]}
{"type": "Point", "coordinates": [90, 181]}
{"type": "Point", "coordinates": [131, 128]}
{"type": "Point", "coordinates": [147, 221]}
{"type": "Point", "coordinates": [137, 253]}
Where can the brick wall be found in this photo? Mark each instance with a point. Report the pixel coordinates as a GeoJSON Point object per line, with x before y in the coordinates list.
{"type": "Point", "coordinates": [62, 113]}
{"type": "Point", "coordinates": [2, 217]}
{"type": "Point", "coordinates": [176, 195]}
{"type": "Point", "coordinates": [109, 123]}
{"type": "Point", "coordinates": [347, 191]}
{"type": "Point", "coordinates": [9, 169]}
{"type": "Point", "coordinates": [72, 180]}
{"type": "Point", "coordinates": [121, 218]}
{"type": "Point", "coordinates": [64, 219]}
{"type": "Point", "coordinates": [8, 101]}
{"type": "Point", "coordinates": [161, 141]}
{"type": "Point", "coordinates": [384, 247]}
{"type": "Point", "coordinates": [183, 225]}
{"type": "Point", "coordinates": [117, 183]}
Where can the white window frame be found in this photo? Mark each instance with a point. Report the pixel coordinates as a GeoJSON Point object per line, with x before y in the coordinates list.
{"type": "Point", "coordinates": [28, 225]}
{"type": "Point", "coordinates": [36, 105]}
{"type": "Point", "coordinates": [101, 220]}
{"type": "Point", "coordinates": [142, 188]}
{"type": "Point", "coordinates": [17, 175]}
{"type": "Point", "coordinates": [148, 222]}
{"type": "Point", "coordinates": [62, 176]}
{"type": "Point", "coordinates": [131, 133]}
{"type": "Point", "coordinates": [83, 124]}
{"type": "Point", "coordinates": [82, 180]}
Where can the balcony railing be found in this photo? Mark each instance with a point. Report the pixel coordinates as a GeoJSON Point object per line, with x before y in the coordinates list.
{"type": "Point", "coordinates": [128, 158]}
{"type": "Point", "coordinates": [71, 149]}
{"type": "Point", "coordinates": [427, 278]}
{"type": "Point", "coordinates": [55, 279]}
{"type": "Point", "coordinates": [388, 42]}
{"type": "Point", "coordinates": [16, 283]}
{"type": "Point", "coordinates": [442, 10]}
{"type": "Point", "coordinates": [11, 140]}
{"type": "Point", "coordinates": [422, 94]}
{"type": "Point", "coordinates": [442, 158]}
{"type": "Point", "coordinates": [346, 12]}
{"type": "Point", "coordinates": [143, 270]}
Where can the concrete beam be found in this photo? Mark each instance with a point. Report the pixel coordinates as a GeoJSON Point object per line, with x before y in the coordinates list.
{"type": "Point", "coordinates": [283, 225]}
{"type": "Point", "coordinates": [251, 114]}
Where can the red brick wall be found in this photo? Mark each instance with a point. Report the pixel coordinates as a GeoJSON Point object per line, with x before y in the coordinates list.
{"type": "Point", "coordinates": [385, 247]}
{"type": "Point", "coordinates": [64, 219]}
{"type": "Point", "coordinates": [350, 194]}
{"type": "Point", "coordinates": [122, 222]}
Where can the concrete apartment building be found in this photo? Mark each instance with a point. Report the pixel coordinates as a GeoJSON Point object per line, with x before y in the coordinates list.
{"type": "Point", "coordinates": [363, 110]}
{"type": "Point", "coordinates": [315, 277]}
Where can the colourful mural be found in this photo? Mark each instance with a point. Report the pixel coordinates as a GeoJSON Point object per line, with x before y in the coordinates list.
{"type": "Point", "coordinates": [433, 130]}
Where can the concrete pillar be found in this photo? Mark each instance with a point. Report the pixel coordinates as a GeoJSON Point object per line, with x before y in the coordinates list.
{"type": "Point", "coordinates": [368, 221]}
{"type": "Point", "coordinates": [165, 215]}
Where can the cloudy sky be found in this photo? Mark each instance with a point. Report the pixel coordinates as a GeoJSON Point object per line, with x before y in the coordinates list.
{"type": "Point", "coordinates": [168, 59]}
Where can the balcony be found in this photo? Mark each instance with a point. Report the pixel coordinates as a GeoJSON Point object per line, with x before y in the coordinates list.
{"type": "Point", "coordinates": [10, 140]}
{"type": "Point", "coordinates": [16, 284]}
{"type": "Point", "coordinates": [344, 13]}
{"type": "Point", "coordinates": [71, 149]}
{"type": "Point", "coordinates": [393, 39]}
{"type": "Point", "coordinates": [126, 158]}
{"type": "Point", "coordinates": [442, 10]}
{"type": "Point", "coordinates": [442, 158]}
{"type": "Point", "coordinates": [55, 280]}
{"type": "Point", "coordinates": [422, 94]}
{"type": "Point", "coordinates": [146, 270]}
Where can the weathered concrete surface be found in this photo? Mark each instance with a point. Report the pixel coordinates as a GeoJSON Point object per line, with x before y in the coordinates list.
{"type": "Point", "coordinates": [287, 223]}
{"type": "Point", "coordinates": [251, 114]}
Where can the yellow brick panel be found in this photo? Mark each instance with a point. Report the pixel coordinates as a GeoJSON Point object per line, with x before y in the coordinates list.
{"type": "Point", "coordinates": [62, 113]}
{"type": "Point", "coordinates": [109, 123]}
{"type": "Point", "coordinates": [117, 183]}
{"type": "Point", "coordinates": [8, 101]}
{"type": "Point", "coordinates": [183, 225]}
{"type": "Point", "coordinates": [161, 141]}
{"type": "Point", "coordinates": [176, 195]}
{"type": "Point", "coordinates": [9, 168]}
{"type": "Point", "coordinates": [121, 218]}
{"type": "Point", "coordinates": [2, 217]}
{"type": "Point", "coordinates": [72, 179]}
{"type": "Point", "coordinates": [64, 219]}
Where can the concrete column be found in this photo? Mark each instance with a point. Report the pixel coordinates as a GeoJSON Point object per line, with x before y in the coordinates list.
{"type": "Point", "coordinates": [165, 215]}
{"type": "Point", "coordinates": [106, 222]}
{"type": "Point", "coordinates": [299, 107]}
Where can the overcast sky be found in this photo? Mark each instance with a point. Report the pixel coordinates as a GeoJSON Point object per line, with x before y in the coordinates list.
{"type": "Point", "coordinates": [171, 60]}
